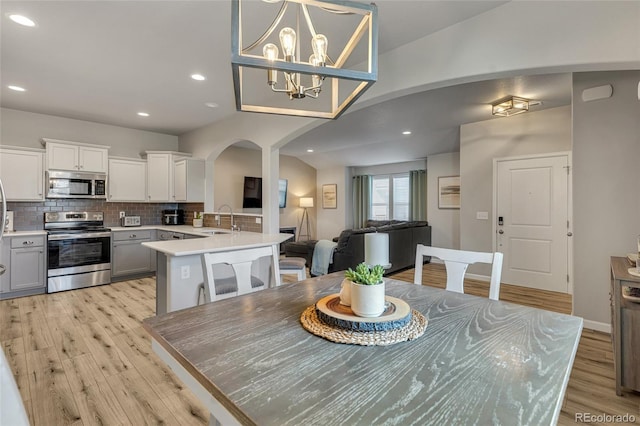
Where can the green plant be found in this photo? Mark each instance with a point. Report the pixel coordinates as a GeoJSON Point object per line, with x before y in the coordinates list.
{"type": "Point", "coordinates": [365, 275]}
{"type": "Point", "coordinates": [198, 215]}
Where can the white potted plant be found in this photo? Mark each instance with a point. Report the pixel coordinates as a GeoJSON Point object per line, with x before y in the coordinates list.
{"type": "Point", "coordinates": [366, 290]}
{"type": "Point", "coordinates": [197, 220]}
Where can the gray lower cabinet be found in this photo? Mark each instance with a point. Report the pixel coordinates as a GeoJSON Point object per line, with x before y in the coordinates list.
{"type": "Point", "coordinates": [128, 257]}
{"type": "Point", "coordinates": [24, 259]}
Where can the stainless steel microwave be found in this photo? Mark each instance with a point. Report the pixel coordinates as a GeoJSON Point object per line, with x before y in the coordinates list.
{"type": "Point", "coordinates": [63, 184]}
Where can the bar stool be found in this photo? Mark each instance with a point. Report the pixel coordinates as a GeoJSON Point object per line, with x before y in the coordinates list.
{"type": "Point", "coordinates": [293, 265]}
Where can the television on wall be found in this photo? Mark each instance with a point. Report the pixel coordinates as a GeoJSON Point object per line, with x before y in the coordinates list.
{"type": "Point", "coordinates": [252, 193]}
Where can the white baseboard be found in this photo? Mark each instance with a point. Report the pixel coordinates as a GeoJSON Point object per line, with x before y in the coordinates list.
{"type": "Point", "coordinates": [597, 326]}
{"type": "Point", "coordinates": [478, 277]}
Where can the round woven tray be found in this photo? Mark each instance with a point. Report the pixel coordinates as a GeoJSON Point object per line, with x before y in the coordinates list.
{"type": "Point", "coordinates": [414, 329]}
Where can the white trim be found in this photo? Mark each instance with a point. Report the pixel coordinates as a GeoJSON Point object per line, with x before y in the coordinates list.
{"type": "Point", "coordinates": [478, 277]}
{"type": "Point", "coordinates": [597, 326]}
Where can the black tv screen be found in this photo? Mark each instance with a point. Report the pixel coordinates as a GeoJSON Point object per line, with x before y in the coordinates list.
{"type": "Point", "coordinates": [252, 193]}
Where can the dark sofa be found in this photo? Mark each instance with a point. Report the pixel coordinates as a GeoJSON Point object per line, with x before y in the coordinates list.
{"type": "Point", "coordinates": [403, 238]}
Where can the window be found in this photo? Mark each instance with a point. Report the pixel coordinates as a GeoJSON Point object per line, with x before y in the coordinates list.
{"type": "Point", "coordinates": [390, 197]}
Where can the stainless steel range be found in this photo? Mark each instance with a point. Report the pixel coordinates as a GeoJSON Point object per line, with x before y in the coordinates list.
{"type": "Point", "coordinates": [78, 250]}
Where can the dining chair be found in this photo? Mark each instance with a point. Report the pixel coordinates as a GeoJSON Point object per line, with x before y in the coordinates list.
{"type": "Point", "coordinates": [243, 282]}
{"type": "Point", "coordinates": [456, 263]}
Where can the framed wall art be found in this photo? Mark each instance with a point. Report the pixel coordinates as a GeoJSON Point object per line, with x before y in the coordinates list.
{"type": "Point", "coordinates": [330, 196]}
{"type": "Point", "coordinates": [449, 192]}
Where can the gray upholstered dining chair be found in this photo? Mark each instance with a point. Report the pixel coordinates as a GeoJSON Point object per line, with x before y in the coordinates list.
{"type": "Point", "coordinates": [456, 263]}
{"type": "Point", "coordinates": [243, 282]}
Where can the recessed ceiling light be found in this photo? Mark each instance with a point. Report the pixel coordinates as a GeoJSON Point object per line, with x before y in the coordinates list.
{"type": "Point", "coordinates": [212, 105]}
{"type": "Point", "coordinates": [22, 20]}
{"type": "Point", "coordinates": [198, 77]}
{"type": "Point", "coordinates": [309, 150]}
{"type": "Point", "coordinates": [17, 88]}
{"type": "Point", "coordinates": [143, 114]}
{"type": "Point", "coordinates": [406, 132]}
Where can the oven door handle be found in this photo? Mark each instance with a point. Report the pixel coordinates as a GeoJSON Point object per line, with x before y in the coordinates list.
{"type": "Point", "coordinates": [58, 237]}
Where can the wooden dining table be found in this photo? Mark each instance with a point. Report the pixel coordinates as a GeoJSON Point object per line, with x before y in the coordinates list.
{"type": "Point", "coordinates": [479, 361]}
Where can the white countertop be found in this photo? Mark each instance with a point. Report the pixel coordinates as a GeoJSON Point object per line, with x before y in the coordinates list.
{"type": "Point", "coordinates": [216, 243]}
{"type": "Point", "coordinates": [185, 229]}
{"type": "Point", "coordinates": [9, 234]}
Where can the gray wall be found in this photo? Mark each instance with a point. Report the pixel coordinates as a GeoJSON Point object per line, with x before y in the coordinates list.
{"type": "Point", "coordinates": [532, 133]}
{"type": "Point", "coordinates": [234, 163]}
{"type": "Point", "coordinates": [606, 185]}
{"type": "Point", "coordinates": [445, 223]}
{"type": "Point", "coordinates": [20, 128]}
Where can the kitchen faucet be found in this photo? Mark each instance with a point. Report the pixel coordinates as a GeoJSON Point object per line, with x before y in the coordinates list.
{"type": "Point", "coordinates": [233, 226]}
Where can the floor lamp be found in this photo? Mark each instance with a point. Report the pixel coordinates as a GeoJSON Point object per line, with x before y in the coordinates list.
{"type": "Point", "coordinates": [305, 203]}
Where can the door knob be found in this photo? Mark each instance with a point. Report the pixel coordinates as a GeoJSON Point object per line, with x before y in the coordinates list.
{"type": "Point", "coordinates": [501, 232]}
{"type": "Point", "coordinates": [569, 234]}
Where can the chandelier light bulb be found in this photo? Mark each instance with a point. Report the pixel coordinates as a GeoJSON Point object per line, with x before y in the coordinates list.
{"type": "Point", "coordinates": [313, 60]}
{"type": "Point", "coordinates": [270, 51]}
{"type": "Point", "coordinates": [288, 42]}
{"type": "Point", "coordinates": [319, 46]}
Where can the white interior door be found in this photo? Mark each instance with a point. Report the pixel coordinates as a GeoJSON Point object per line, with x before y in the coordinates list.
{"type": "Point", "coordinates": [532, 218]}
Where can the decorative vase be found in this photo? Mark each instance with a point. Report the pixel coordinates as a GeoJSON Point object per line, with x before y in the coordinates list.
{"type": "Point", "coordinates": [197, 223]}
{"type": "Point", "coordinates": [345, 292]}
{"type": "Point", "coordinates": [367, 300]}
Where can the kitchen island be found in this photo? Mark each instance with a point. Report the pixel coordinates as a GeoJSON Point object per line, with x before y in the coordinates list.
{"type": "Point", "coordinates": [179, 268]}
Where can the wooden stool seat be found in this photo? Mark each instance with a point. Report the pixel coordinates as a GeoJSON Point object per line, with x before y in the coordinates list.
{"type": "Point", "coordinates": [294, 265]}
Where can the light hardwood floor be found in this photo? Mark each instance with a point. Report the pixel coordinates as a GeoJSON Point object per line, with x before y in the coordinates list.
{"type": "Point", "coordinates": [81, 357]}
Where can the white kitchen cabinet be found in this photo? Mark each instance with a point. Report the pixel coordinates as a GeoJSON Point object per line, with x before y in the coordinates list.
{"type": "Point", "coordinates": [127, 179]}
{"type": "Point", "coordinates": [188, 180]}
{"type": "Point", "coordinates": [160, 175]}
{"type": "Point", "coordinates": [22, 172]}
{"type": "Point", "coordinates": [75, 156]}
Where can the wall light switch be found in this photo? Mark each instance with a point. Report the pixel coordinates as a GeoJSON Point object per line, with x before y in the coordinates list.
{"type": "Point", "coordinates": [122, 215]}
{"type": "Point", "coordinates": [258, 220]}
{"type": "Point", "coordinates": [482, 215]}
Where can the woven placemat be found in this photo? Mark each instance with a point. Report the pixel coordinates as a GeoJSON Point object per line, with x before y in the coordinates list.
{"type": "Point", "coordinates": [414, 329]}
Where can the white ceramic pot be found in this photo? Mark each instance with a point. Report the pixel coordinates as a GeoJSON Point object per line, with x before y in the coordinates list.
{"type": "Point", "coordinates": [345, 292]}
{"type": "Point", "coordinates": [197, 223]}
{"type": "Point", "coordinates": [367, 300]}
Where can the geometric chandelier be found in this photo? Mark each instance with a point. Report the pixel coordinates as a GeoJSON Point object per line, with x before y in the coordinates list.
{"type": "Point", "coordinates": [310, 58]}
{"type": "Point", "coordinates": [511, 105]}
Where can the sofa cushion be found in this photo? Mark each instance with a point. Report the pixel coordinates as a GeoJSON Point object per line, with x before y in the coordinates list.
{"type": "Point", "coordinates": [343, 239]}
{"type": "Point", "coordinates": [377, 223]}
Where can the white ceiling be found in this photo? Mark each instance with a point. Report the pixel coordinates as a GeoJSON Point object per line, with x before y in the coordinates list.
{"type": "Point", "coordinates": [104, 61]}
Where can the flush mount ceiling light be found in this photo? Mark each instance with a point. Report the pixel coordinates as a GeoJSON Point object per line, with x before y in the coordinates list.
{"type": "Point", "coordinates": [511, 105]}
{"type": "Point", "coordinates": [17, 88]}
{"type": "Point", "coordinates": [198, 77]}
{"type": "Point", "coordinates": [341, 65]}
{"type": "Point", "coordinates": [143, 114]}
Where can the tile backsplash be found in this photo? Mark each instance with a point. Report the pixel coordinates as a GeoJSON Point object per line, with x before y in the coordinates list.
{"type": "Point", "coordinates": [30, 216]}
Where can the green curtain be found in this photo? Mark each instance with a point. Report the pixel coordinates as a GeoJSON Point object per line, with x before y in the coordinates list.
{"type": "Point", "coordinates": [361, 192]}
{"type": "Point", "coordinates": [418, 195]}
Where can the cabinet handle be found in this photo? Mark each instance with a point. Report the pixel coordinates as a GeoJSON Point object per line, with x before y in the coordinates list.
{"type": "Point", "coordinates": [132, 236]}
{"type": "Point", "coordinates": [27, 243]}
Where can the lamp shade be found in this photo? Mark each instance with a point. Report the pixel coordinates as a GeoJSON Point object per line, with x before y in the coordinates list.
{"type": "Point", "coordinates": [306, 202]}
{"type": "Point", "coordinates": [376, 249]}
